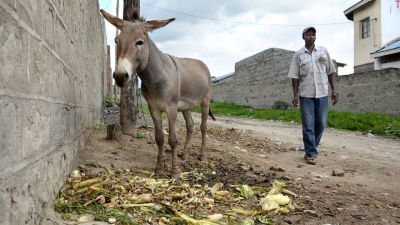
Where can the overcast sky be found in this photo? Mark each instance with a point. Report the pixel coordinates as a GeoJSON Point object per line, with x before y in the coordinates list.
{"type": "Point", "coordinates": [223, 32]}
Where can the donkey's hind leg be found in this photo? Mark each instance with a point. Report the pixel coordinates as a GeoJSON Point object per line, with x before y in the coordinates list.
{"type": "Point", "coordinates": [205, 107]}
{"type": "Point", "coordinates": [189, 133]}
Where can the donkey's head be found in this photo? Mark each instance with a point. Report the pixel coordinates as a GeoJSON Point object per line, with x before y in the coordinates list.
{"type": "Point", "coordinates": [132, 45]}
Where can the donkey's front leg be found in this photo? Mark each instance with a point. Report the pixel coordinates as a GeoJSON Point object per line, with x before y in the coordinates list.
{"type": "Point", "coordinates": [173, 143]}
{"type": "Point", "coordinates": [159, 135]}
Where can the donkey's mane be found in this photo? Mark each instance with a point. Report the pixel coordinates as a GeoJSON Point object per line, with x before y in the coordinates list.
{"type": "Point", "coordinates": [133, 15]}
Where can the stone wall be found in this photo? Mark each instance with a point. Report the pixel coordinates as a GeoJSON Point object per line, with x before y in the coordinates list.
{"type": "Point", "coordinates": [364, 68]}
{"type": "Point", "coordinates": [52, 68]}
{"type": "Point", "coordinates": [374, 91]}
{"type": "Point", "coordinates": [261, 82]}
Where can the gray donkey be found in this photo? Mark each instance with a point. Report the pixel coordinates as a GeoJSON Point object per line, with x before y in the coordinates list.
{"type": "Point", "coordinates": [169, 84]}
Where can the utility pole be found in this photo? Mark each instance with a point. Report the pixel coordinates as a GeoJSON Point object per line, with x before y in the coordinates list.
{"type": "Point", "coordinates": [129, 99]}
{"type": "Point", "coordinates": [114, 90]}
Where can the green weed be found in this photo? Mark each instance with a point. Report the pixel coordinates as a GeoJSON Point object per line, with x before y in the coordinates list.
{"type": "Point", "coordinates": [100, 126]}
{"type": "Point", "coordinates": [374, 123]}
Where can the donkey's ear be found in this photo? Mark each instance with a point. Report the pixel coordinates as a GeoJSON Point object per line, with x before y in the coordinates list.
{"type": "Point", "coordinates": [117, 22]}
{"type": "Point", "coordinates": [155, 24]}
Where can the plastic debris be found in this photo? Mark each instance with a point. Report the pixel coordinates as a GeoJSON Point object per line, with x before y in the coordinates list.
{"type": "Point", "coordinates": [297, 148]}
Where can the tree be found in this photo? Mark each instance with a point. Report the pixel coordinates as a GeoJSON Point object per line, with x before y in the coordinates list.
{"type": "Point", "coordinates": [129, 99]}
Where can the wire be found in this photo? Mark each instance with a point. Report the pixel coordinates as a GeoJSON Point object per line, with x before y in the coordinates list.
{"type": "Point", "coordinates": [107, 5]}
{"type": "Point", "coordinates": [261, 24]}
{"type": "Point", "coordinates": [160, 44]}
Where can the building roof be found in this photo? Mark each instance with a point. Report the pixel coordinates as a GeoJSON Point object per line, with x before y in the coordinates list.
{"type": "Point", "coordinates": [218, 79]}
{"type": "Point", "coordinates": [387, 50]}
{"type": "Point", "coordinates": [339, 64]}
{"type": "Point", "coordinates": [349, 12]}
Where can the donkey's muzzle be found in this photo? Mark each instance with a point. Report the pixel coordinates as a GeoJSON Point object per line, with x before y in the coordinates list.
{"type": "Point", "coordinates": [121, 79]}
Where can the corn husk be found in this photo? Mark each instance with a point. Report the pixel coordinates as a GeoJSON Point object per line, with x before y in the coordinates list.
{"type": "Point", "coordinates": [85, 183]}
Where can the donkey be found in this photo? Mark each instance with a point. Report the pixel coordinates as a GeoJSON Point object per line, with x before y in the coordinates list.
{"type": "Point", "coordinates": [169, 84]}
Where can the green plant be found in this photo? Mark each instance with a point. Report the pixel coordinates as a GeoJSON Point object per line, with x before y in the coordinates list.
{"type": "Point", "coordinates": [100, 126]}
{"type": "Point", "coordinates": [375, 123]}
{"type": "Point", "coordinates": [392, 131]}
{"type": "Point", "coordinates": [140, 136]}
{"type": "Point", "coordinates": [107, 98]}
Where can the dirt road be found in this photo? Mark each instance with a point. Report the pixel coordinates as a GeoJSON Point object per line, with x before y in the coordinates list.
{"type": "Point", "coordinates": [368, 193]}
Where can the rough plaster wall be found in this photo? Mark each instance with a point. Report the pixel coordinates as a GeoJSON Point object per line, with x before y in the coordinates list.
{"type": "Point", "coordinates": [260, 82]}
{"type": "Point", "coordinates": [52, 64]}
{"type": "Point", "coordinates": [374, 91]}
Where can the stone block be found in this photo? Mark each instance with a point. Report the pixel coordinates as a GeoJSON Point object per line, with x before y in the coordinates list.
{"type": "Point", "coordinates": [28, 11]}
{"type": "Point", "coordinates": [36, 122]}
{"type": "Point", "coordinates": [40, 77]}
{"type": "Point", "coordinates": [10, 137]}
{"type": "Point", "coordinates": [13, 57]}
{"type": "Point", "coordinates": [58, 129]}
{"type": "Point", "coordinates": [49, 22]}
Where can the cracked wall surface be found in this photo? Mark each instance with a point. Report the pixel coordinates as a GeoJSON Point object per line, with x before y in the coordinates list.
{"type": "Point", "coordinates": [52, 68]}
{"type": "Point", "coordinates": [260, 82]}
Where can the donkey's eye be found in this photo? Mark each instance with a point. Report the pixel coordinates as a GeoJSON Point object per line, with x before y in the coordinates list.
{"type": "Point", "coordinates": [139, 43]}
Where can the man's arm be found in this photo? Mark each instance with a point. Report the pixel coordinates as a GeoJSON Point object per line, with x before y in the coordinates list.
{"type": "Point", "coordinates": [334, 95]}
{"type": "Point", "coordinates": [295, 85]}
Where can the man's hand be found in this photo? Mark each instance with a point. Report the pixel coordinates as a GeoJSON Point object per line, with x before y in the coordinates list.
{"type": "Point", "coordinates": [334, 97]}
{"type": "Point", "coordinates": [295, 101]}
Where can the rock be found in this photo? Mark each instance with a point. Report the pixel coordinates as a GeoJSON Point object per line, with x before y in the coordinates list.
{"type": "Point", "coordinates": [245, 168]}
{"type": "Point", "coordinates": [310, 212]}
{"type": "Point", "coordinates": [82, 167]}
{"type": "Point", "coordinates": [338, 172]}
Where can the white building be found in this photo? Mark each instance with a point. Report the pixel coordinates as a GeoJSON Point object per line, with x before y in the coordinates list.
{"type": "Point", "coordinates": [376, 34]}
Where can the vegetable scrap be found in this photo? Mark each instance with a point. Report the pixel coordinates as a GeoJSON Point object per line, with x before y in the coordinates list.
{"type": "Point", "coordinates": [135, 197]}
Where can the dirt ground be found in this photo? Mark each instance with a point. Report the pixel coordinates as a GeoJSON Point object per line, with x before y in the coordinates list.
{"type": "Point", "coordinates": [254, 152]}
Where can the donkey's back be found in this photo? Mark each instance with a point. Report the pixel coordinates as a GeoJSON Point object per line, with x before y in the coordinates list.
{"type": "Point", "coordinates": [194, 82]}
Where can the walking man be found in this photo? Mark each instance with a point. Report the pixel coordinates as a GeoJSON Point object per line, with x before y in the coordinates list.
{"type": "Point", "coordinates": [311, 70]}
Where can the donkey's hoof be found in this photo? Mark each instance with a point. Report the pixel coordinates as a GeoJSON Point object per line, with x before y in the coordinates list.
{"type": "Point", "coordinates": [184, 157]}
{"type": "Point", "coordinates": [203, 158]}
{"type": "Point", "coordinates": [175, 176]}
{"type": "Point", "coordinates": [159, 172]}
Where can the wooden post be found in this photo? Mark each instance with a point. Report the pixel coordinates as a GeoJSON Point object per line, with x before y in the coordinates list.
{"type": "Point", "coordinates": [128, 107]}
{"type": "Point", "coordinates": [114, 132]}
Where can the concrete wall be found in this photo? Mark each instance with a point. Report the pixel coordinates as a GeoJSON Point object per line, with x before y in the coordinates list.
{"type": "Point", "coordinates": [52, 64]}
{"type": "Point", "coordinates": [260, 82]}
{"type": "Point", "coordinates": [375, 91]}
{"type": "Point", "coordinates": [109, 79]}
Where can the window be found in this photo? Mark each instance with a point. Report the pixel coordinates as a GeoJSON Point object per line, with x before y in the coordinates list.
{"type": "Point", "coordinates": [365, 28]}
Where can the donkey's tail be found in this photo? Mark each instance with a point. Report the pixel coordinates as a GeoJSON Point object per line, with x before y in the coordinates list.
{"type": "Point", "coordinates": [210, 114]}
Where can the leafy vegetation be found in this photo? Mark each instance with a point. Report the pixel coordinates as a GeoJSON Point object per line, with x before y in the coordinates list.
{"type": "Point", "coordinates": [374, 123]}
{"type": "Point", "coordinates": [128, 197]}
{"type": "Point", "coordinates": [100, 126]}
{"type": "Point", "coordinates": [108, 99]}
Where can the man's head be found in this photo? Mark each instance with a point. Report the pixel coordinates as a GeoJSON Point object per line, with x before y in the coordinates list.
{"type": "Point", "coordinates": [309, 35]}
